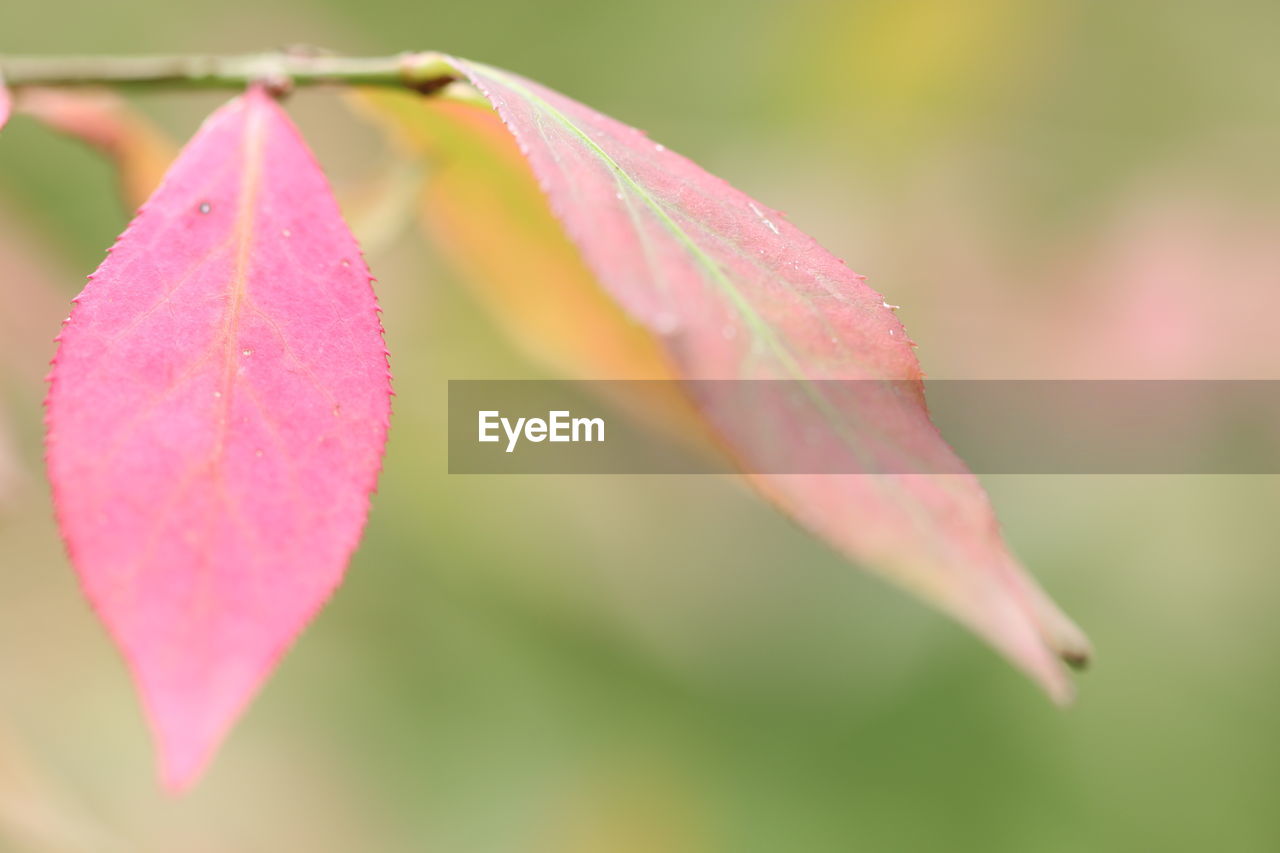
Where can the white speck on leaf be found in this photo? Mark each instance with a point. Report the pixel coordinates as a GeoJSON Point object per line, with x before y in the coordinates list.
{"type": "Point", "coordinates": [760, 213]}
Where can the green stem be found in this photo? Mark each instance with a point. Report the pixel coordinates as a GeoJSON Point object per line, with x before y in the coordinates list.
{"type": "Point", "coordinates": [424, 72]}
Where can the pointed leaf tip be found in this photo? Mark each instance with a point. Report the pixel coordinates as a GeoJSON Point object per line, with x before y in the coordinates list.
{"type": "Point", "coordinates": [217, 413]}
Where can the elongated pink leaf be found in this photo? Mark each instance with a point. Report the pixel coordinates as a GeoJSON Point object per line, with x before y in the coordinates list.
{"type": "Point", "coordinates": [217, 414]}
{"type": "Point", "coordinates": [734, 291]}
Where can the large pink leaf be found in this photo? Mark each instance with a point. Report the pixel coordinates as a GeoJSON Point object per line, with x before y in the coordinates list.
{"type": "Point", "coordinates": [217, 414]}
{"type": "Point", "coordinates": [735, 292]}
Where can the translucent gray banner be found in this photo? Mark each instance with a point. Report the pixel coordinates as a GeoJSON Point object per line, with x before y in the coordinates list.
{"type": "Point", "coordinates": [864, 427]}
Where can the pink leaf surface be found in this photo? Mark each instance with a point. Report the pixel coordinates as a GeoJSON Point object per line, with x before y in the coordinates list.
{"type": "Point", "coordinates": [217, 414]}
{"type": "Point", "coordinates": [736, 292]}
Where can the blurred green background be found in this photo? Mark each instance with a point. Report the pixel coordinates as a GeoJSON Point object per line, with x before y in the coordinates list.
{"type": "Point", "coordinates": [1059, 188]}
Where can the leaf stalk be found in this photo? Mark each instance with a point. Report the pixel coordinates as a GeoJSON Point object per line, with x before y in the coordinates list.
{"type": "Point", "coordinates": [280, 71]}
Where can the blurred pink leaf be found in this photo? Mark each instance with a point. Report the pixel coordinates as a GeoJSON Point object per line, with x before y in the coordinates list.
{"type": "Point", "coordinates": [1170, 281]}
{"type": "Point", "coordinates": [733, 291]}
{"type": "Point", "coordinates": [30, 300]}
{"type": "Point", "coordinates": [217, 414]}
{"type": "Point", "coordinates": [105, 121]}
{"type": "Point", "coordinates": [1177, 288]}
{"type": "Point", "coordinates": [30, 305]}
{"type": "Point", "coordinates": [6, 103]}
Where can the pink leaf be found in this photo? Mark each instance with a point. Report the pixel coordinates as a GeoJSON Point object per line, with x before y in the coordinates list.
{"type": "Point", "coordinates": [217, 414]}
{"type": "Point", "coordinates": [6, 103]}
{"type": "Point", "coordinates": [735, 292]}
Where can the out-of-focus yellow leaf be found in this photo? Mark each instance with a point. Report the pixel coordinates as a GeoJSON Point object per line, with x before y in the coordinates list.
{"type": "Point", "coordinates": [381, 208]}
{"type": "Point", "coordinates": [641, 810]}
{"type": "Point", "coordinates": [483, 207]}
{"type": "Point", "coordinates": [906, 70]}
{"type": "Point", "coordinates": [140, 151]}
